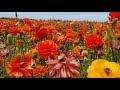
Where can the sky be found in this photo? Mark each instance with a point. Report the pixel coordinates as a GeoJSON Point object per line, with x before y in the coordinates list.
{"type": "Point", "coordinates": [79, 16]}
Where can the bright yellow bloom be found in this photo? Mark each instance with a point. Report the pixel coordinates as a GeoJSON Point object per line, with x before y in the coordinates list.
{"type": "Point", "coordinates": [101, 68]}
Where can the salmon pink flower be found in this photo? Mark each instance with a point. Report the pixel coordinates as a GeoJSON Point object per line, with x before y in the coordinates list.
{"type": "Point", "coordinates": [63, 67]}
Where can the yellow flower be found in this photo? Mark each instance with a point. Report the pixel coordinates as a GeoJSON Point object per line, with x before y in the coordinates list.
{"type": "Point", "coordinates": [101, 68]}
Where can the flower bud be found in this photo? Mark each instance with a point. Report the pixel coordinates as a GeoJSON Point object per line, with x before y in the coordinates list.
{"type": "Point", "coordinates": [109, 31]}
{"type": "Point", "coordinates": [114, 21]}
{"type": "Point", "coordinates": [35, 53]}
{"type": "Point", "coordinates": [9, 39]}
{"type": "Point", "coordinates": [106, 37]}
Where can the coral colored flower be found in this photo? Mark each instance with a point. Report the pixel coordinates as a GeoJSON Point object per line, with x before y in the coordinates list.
{"type": "Point", "coordinates": [76, 52]}
{"type": "Point", "coordinates": [113, 15]}
{"type": "Point", "coordinates": [101, 68]}
{"type": "Point", "coordinates": [26, 28]}
{"type": "Point", "coordinates": [117, 35]}
{"type": "Point", "coordinates": [46, 48]}
{"type": "Point", "coordinates": [20, 66]}
{"type": "Point", "coordinates": [64, 32]}
{"type": "Point", "coordinates": [61, 39]}
{"type": "Point", "coordinates": [39, 70]}
{"type": "Point", "coordinates": [118, 25]}
{"type": "Point", "coordinates": [14, 30]}
{"type": "Point", "coordinates": [63, 67]}
{"type": "Point", "coordinates": [93, 40]}
{"type": "Point", "coordinates": [42, 33]}
{"type": "Point", "coordinates": [70, 35]}
{"type": "Point", "coordinates": [50, 29]}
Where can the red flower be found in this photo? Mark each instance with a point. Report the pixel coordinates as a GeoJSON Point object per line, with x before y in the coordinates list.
{"type": "Point", "coordinates": [80, 32]}
{"type": "Point", "coordinates": [46, 48]}
{"type": "Point", "coordinates": [1, 62]}
{"type": "Point", "coordinates": [14, 30]}
{"type": "Point", "coordinates": [113, 15]}
{"type": "Point", "coordinates": [20, 66]}
{"type": "Point", "coordinates": [42, 33]}
{"type": "Point", "coordinates": [63, 67]}
{"type": "Point", "coordinates": [93, 40]}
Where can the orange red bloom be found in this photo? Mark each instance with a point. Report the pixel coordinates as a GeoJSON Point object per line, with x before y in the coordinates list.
{"type": "Point", "coordinates": [25, 28]}
{"type": "Point", "coordinates": [76, 52]}
{"type": "Point", "coordinates": [39, 70]}
{"type": "Point", "coordinates": [20, 66]}
{"type": "Point", "coordinates": [14, 30]}
{"type": "Point", "coordinates": [46, 48]}
{"type": "Point", "coordinates": [93, 41]}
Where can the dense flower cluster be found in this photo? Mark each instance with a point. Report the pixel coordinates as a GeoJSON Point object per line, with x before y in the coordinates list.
{"type": "Point", "coordinates": [60, 49]}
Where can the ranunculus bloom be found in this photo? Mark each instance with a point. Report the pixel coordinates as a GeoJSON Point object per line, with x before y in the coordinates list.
{"type": "Point", "coordinates": [101, 68]}
{"type": "Point", "coordinates": [63, 67]}
{"type": "Point", "coordinates": [46, 48]}
{"type": "Point", "coordinates": [39, 70]}
{"type": "Point", "coordinates": [113, 15]}
{"type": "Point", "coordinates": [26, 28]}
{"type": "Point", "coordinates": [20, 66]}
{"type": "Point", "coordinates": [93, 40]}
{"type": "Point", "coordinates": [76, 52]}
{"type": "Point", "coordinates": [14, 30]}
{"type": "Point", "coordinates": [42, 33]}
{"type": "Point", "coordinates": [80, 32]}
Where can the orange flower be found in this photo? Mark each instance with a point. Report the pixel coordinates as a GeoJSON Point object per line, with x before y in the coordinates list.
{"type": "Point", "coordinates": [30, 52]}
{"type": "Point", "coordinates": [76, 40]}
{"type": "Point", "coordinates": [76, 52]}
{"type": "Point", "coordinates": [46, 48]}
{"type": "Point", "coordinates": [93, 40]}
{"type": "Point", "coordinates": [20, 66]}
{"type": "Point", "coordinates": [70, 35]}
{"type": "Point", "coordinates": [38, 70]}
{"type": "Point", "coordinates": [26, 28]}
{"type": "Point", "coordinates": [61, 39]}
{"type": "Point", "coordinates": [65, 32]}
{"type": "Point", "coordinates": [117, 35]}
{"type": "Point", "coordinates": [118, 24]}
{"type": "Point", "coordinates": [50, 29]}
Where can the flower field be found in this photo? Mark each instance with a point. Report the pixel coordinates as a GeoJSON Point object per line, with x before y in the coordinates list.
{"type": "Point", "coordinates": [60, 49]}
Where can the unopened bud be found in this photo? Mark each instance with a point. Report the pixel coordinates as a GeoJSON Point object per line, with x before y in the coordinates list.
{"type": "Point", "coordinates": [35, 53]}
{"type": "Point", "coordinates": [114, 21]}
{"type": "Point", "coordinates": [9, 39]}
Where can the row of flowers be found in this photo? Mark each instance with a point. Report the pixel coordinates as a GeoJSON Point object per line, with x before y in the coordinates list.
{"type": "Point", "coordinates": [60, 49]}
